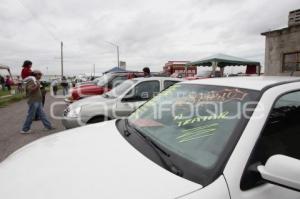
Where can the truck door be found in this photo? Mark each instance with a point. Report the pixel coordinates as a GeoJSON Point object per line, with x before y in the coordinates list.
{"type": "Point", "coordinates": [280, 135]}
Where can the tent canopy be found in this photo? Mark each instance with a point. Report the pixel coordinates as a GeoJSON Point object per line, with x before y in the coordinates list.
{"type": "Point", "coordinates": [223, 60]}
{"type": "Point", "coordinates": [115, 69]}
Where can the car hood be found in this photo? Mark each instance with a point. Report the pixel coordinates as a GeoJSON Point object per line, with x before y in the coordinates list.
{"type": "Point", "coordinates": [85, 85]}
{"type": "Point", "coordinates": [94, 161]}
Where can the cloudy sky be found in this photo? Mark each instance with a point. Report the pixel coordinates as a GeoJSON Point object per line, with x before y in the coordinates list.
{"type": "Point", "coordinates": [149, 33]}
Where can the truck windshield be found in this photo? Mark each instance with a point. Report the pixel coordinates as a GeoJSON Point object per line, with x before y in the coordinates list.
{"type": "Point", "coordinates": [120, 89]}
{"type": "Point", "coordinates": [103, 80]}
{"type": "Point", "coordinates": [195, 122]}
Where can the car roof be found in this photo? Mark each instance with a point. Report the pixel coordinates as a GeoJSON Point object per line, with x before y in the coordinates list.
{"type": "Point", "coordinates": [252, 82]}
{"type": "Point", "coordinates": [158, 78]}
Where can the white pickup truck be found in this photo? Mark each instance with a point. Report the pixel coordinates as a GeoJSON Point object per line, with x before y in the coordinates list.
{"type": "Point", "coordinates": [227, 138]}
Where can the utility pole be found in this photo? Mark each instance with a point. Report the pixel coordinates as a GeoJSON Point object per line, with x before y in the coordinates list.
{"type": "Point", "coordinates": [94, 70]}
{"type": "Point", "coordinates": [62, 59]}
{"type": "Point", "coordinates": [47, 71]}
{"type": "Point", "coordinates": [118, 52]}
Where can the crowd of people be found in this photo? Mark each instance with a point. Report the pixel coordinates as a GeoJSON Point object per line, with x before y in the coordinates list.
{"type": "Point", "coordinates": [6, 83]}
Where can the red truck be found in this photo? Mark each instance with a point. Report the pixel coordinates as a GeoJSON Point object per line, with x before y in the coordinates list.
{"type": "Point", "coordinates": [100, 85]}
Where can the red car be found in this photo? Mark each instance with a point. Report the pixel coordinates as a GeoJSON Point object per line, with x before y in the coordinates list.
{"type": "Point", "coordinates": [100, 85]}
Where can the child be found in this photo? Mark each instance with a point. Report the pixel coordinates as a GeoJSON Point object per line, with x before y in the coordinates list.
{"type": "Point", "coordinates": [26, 73]}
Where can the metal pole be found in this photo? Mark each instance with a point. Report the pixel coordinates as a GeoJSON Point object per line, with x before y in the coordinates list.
{"type": "Point", "coordinates": [94, 70]}
{"type": "Point", "coordinates": [118, 54]}
{"type": "Point", "coordinates": [62, 59]}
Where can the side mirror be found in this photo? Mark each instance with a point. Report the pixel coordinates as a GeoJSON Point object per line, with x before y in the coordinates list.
{"type": "Point", "coordinates": [283, 171]}
{"type": "Point", "coordinates": [130, 99]}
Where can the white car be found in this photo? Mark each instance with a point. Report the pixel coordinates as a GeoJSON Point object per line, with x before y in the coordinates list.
{"type": "Point", "coordinates": [241, 142]}
{"type": "Point", "coordinates": [119, 102]}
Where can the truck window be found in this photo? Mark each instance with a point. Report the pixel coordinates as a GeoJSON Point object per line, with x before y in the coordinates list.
{"type": "Point", "coordinates": [169, 83]}
{"type": "Point", "coordinates": [116, 81]}
{"type": "Point", "coordinates": [281, 135]}
{"type": "Point", "coordinates": [143, 91]}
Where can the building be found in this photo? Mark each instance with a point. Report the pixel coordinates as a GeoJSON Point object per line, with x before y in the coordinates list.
{"type": "Point", "coordinates": [123, 65]}
{"type": "Point", "coordinates": [294, 17]}
{"type": "Point", "coordinates": [282, 53]}
{"type": "Point", "coordinates": [179, 67]}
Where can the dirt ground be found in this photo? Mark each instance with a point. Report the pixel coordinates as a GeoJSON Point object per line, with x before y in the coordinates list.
{"type": "Point", "coordinates": [11, 121]}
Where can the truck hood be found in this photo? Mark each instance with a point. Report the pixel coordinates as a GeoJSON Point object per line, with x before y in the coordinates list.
{"type": "Point", "coordinates": [93, 161]}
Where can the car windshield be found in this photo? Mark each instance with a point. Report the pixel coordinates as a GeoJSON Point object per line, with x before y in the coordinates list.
{"type": "Point", "coordinates": [120, 89]}
{"type": "Point", "coordinates": [103, 80]}
{"type": "Point", "coordinates": [95, 81]}
{"type": "Point", "coordinates": [195, 122]}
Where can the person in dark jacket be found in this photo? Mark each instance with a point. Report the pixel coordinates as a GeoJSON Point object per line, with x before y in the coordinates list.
{"type": "Point", "coordinates": [65, 85]}
{"type": "Point", "coordinates": [147, 72]}
{"type": "Point", "coordinates": [44, 92]}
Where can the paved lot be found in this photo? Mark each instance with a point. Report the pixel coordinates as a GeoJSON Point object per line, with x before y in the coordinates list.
{"type": "Point", "coordinates": [11, 121]}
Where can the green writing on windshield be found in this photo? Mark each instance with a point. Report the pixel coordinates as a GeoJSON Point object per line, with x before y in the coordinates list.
{"type": "Point", "coordinates": [197, 133]}
{"type": "Point", "coordinates": [197, 119]}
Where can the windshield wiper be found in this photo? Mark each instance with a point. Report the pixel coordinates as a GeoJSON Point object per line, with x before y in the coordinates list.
{"type": "Point", "coordinates": [162, 154]}
{"type": "Point", "coordinates": [126, 132]}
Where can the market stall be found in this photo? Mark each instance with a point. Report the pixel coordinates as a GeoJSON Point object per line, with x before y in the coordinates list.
{"type": "Point", "coordinates": [222, 60]}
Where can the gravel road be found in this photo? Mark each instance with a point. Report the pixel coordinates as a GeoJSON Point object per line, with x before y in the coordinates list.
{"type": "Point", "coordinates": [11, 121]}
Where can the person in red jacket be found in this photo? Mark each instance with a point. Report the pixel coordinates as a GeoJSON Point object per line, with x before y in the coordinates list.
{"type": "Point", "coordinates": [8, 83]}
{"type": "Point", "coordinates": [26, 71]}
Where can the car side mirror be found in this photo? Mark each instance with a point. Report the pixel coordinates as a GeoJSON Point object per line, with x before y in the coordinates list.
{"type": "Point", "coordinates": [282, 170]}
{"type": "Point", "coordinates": [130, 99]}
{"type": "Point", "coordinates": [125, 99]}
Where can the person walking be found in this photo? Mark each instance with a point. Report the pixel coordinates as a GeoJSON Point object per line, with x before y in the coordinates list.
{"type": "Point", "coordinates": [65, 85]}
{"type": "Point", "coordinates": [35, 98]}
{"type": "Point", "coordinates": [2, 82]}
{"type": "Point", "coordinates": [146, 71]}
{"type": "Point", "coordinates": [44, 93]}
{"type": "Point", "coordinates": [54, 86]}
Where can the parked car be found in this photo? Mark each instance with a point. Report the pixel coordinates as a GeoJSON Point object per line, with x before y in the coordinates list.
{"type": "Point", "coordinates": [200, 75]}
{"type": "Point", "coordinates": [178, 75]}
{"type": "Point", "coordinates": [119, 102]}
{"type": "Point", "coordinates": [102, 85]}
{"type": "Point", "coordinates": [94, 82]}
{"type": "Point", "coordinates": [171, 154]}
